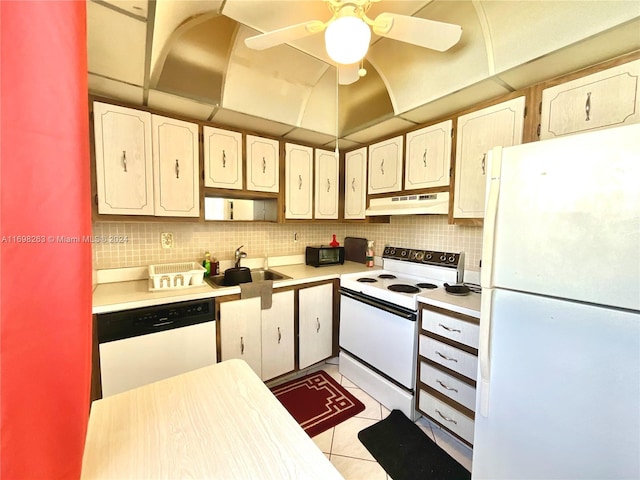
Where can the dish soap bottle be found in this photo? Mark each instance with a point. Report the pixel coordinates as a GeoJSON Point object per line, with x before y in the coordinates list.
{"type": "Point", "coordinates": [207, 264]}
{"type": "Point", "coordinates": [369, 254]}
{"type": "Point", "coordinates": [334, 242]}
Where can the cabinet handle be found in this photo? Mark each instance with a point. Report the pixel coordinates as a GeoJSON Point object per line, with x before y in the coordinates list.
{"type": "Point", "coordinates": [484, 163]}
{"type": "Point", "coordinates": [424, 158]}
{"type": "Point", "coordinates": [224, 159]}
{"type": "Point", "coordinates": [264, 165]}
{"type": "Point", "coordinates": [124, 160]}
{"type": "Point", "coordinates": [242, 345]}
{"type": "Point", "coordinates": [587, 106]}
{"type": "Point", "coordinates": [353, 184]}
{"type": "Point", "coordinates": [382, 166]}
{"type": "Point", "coordinates": [449, 329]}
{"type": "Point", "coordinates": [279, 335]}
{"type": "Point", "coordinates": [299, 182]}
{"type": "Point", "coordinates": [447, 358]}
{"type": "Point", "coordinates": [447, 388]}
{"type": "Point", "coordinates": [177, 168]}
{"type": "Point", "coordinates": [317, 324]}
{"type": "Point", "coordinates": [328, 185]}
{"type": "Point", "coordinates": [446, 418]}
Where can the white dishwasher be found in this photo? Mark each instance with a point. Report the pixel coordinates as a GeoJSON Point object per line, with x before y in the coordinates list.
{"type": "Point", "coordinates": [144, 345]}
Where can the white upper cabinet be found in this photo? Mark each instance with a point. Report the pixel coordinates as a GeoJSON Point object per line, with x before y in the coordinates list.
{"type": "Point", "coordinates": [385, 166]}
{"type": "Point", "coordinates": [428, 157]}
{"type": "Point", "coordinates": [263, 161]}
{"type": "Point", "coordinates": [327, 184]}
{"type": "Point", "coordinates": [478, 132]}
{"type": "Point", "coordinates": [355, 179]}
{"type": "Point", "coordinates": [605, 99]}
{"type": "Point", "coordinates": [124, 166]}
{"type": "Point", "coordinates": [175, 153]}
{"type": "Point", "coordinates": [222, 158]}
{"type": "Point", "coordinates": [298, 181]}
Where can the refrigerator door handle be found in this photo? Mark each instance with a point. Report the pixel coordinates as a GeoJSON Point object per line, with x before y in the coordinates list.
{"type": "Point", "coordinates": [491, 212]}
{"type": "Point", "coordinates": [484, 352]}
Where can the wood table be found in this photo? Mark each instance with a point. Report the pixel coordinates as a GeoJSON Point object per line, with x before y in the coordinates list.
{"type": "Point", "coordinates": [218, 422]}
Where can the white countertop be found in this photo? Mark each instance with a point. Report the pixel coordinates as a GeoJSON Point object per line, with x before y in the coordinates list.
{"type": "Point", "coordinates": [117, 296]}
{"type": "Point", "coordinates": [465, 304]}
{"type": "Point", "coordinates": [219, 421]}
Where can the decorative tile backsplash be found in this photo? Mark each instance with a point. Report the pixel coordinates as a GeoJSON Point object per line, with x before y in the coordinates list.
{"type": "Point", "coordinates": [139, 243]}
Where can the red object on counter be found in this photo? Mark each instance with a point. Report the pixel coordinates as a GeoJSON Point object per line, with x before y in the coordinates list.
{"type": "Point", "coordinates": [334, 242]}
{"type": "Point", "coordinates": [46, 284]}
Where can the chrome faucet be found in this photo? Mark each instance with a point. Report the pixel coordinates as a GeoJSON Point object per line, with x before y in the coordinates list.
{"type": "Point", "coordinates": [239, 255]}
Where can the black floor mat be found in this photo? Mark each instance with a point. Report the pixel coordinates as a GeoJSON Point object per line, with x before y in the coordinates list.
{"type": "Point", "coordinates": [407, 453]}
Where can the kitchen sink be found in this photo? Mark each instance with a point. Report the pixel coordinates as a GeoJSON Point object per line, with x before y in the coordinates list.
{"type": "Point", "coordinates": [257, 275]}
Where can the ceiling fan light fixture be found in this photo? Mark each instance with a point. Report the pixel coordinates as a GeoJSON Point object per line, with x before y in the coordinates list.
{"type": "Point", "coordinates": [347, 40]}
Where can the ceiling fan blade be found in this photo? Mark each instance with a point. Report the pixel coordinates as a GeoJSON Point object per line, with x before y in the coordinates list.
{"type": "Point", "coordinates": [417, 31]}
{"type": "Point", "coordinates": [348, 74]}
{"type": "Point", "coordinates": [284, 35]}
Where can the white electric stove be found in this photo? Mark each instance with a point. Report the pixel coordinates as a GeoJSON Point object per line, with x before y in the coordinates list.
{"type": "Point", "coordinates": [378, 321]}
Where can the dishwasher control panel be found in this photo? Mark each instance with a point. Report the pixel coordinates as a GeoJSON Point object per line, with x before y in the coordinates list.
{"type": "Point", "coordinates": [147, 320]}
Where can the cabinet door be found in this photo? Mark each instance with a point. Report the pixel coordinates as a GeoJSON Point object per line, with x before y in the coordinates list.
{"type": "Point", "coordinates": [263, 161]}
{"type": "Point", "coordinates": [222, 158]}
{"type": "Point", "coordinates": [240, 336]}
{"type": "Point", "coordinates": [315, 318]}
{"type": "Point", "coordinates": [175, 154]}
{"type": "Point", "coordinates": [385, 166]}
{"type": "Point", "coordinates": [124, 168]}
{"type": "Point", "coordinates": [604, 99]}
{"type": "Point", "coordinates": [298, 177]}
{"type": "Point", "coordinates": [327, 184]}
{"type": "Point", "coordinates": [479, 132]}
{"type": "Point", "coordinates": [277, 336]}
{"type": "Point", "coordinates": [428, 156]}
{"type": "Point", "coordinates": [355, 179]}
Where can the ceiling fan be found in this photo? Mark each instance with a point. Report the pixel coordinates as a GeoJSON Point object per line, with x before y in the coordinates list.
{"type": "Point", "coordinates": [348, 32]}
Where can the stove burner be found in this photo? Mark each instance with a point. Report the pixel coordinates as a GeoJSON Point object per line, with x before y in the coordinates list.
{"type": "Point", "coordinates": [387, 276]}
{"type": "Point", "coordinates": [429, 286]}
{"type": "Point", "coordinates": [366, 280]}
{"type": "Point", "coordinates": [398, 287]}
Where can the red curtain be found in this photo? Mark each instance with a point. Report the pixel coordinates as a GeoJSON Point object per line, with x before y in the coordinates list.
{"type": "Point", "coordinates": [45, 281]}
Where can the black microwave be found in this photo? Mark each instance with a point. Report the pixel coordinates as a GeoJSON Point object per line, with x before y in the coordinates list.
{"type": "Point", "coordinates": [324, 255]}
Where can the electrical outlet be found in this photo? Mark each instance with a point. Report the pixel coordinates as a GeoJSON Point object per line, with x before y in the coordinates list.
{"type": "Point", "coordinates": [166, 239]}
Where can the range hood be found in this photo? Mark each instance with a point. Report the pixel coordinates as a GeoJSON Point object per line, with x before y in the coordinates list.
{"type": "Point", "coordinates": [431, 203]}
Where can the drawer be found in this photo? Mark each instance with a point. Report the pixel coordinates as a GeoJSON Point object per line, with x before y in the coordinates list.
{"type": "Point", "coordinates": [450, 386]}
{"type": "Point", "coordinates": [451, 328]}
{"type": "Point", "coordinates": [451, 357]}
{"type": "Point", "coordinates": [447, 416]}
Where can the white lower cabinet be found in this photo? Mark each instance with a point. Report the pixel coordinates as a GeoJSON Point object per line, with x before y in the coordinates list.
{"type": "Point", "coordinates": [315, 320]}
{"type": "Point", "coordinates": [447, 369]}
{"type": "Point", "coordinates": [262, 338]}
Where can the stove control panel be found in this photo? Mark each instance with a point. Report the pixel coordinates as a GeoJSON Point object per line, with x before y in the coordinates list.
{"type": "Point", "coordinates": [427, 257]}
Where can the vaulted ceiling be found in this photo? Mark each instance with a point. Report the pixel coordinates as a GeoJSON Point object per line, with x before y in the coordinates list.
{"type": "Point", "coordinates": [189, 58]}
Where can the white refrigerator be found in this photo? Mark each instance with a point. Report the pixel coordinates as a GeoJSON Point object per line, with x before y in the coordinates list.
{"type": "Point", "coordinates": [558, 391]}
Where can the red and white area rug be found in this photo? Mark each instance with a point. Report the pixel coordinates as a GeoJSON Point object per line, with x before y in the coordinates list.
{"type": "Point", "coordinates": [317, 402]}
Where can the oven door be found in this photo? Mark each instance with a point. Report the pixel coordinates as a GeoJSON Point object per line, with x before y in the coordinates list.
{"type": "Point", "coordinates": [379, 334]}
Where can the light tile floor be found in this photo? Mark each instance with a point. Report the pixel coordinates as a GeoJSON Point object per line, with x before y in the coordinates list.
{"type": "Point", "coordinates": [342, 447]}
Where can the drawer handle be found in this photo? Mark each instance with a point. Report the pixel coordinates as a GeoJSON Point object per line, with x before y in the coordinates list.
{"type": "Point", "coordinates": [124, 160]}
{"type": "Point", "coordinates": [447, 358]}
{"type": "Point", "coordinates": [587, 106]}
{"type": "Point", "coordinates": [241, 345]}
{"type": "Point", "coordinates": [449, 329]}
{"type": "Point", "coordinates": [318, 325]}
{"type": "Point", "coordinates": [447, 388]}
{"type": "Point", "coordinates": [424, 158]}
{"type": "Point", "coordinates": [224, 159]}
{"type": "Point", "coordinates": [279, 335]}
{"type": "Point", "coordinates": [446, 418]}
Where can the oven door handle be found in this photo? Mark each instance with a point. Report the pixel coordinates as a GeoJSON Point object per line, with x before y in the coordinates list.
{"type": "Point", "coordinates": [406, 314]}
